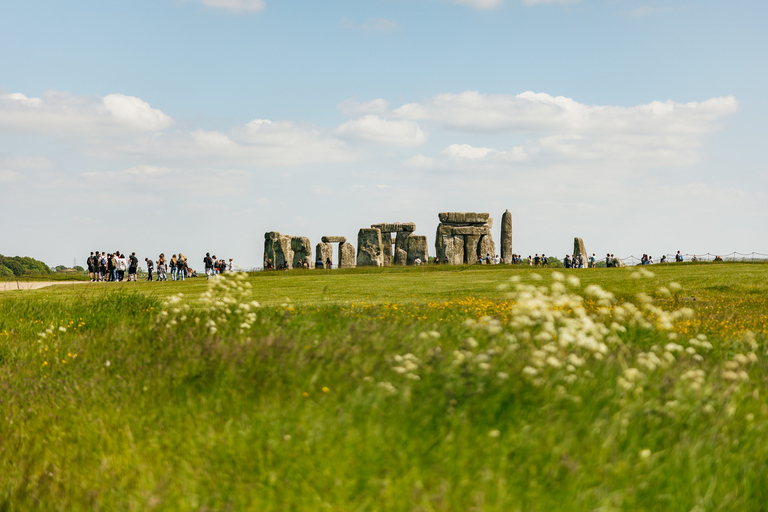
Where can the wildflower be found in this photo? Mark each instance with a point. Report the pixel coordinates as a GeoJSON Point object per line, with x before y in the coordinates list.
{"type": "Point", "coordinates": [107, 364]}
{"type": "Point", "coordinates": [305, 394]}
{"type": "Point", "coordinates": [494, 434]}
{"type": "Point", "coordinates": [573, 281]}
{"type": "Point", "coordinates": [326, 390]}
{"type": "Point", "coordinates": [644, 454]}
{"type": "Point", "coordinates": [502, 375]}
{"type": "Point", "coordinates": [63, 329]}
{"type": "Point", "coordinates": [530, 371]}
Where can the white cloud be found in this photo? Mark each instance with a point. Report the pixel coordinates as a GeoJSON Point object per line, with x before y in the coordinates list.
{"type": "Point", "coordinates": [64, 114]}
{"type": "Point", "coordinates": [656, 133]}
{"type": "Point", "coordinates": [420, 162]}
{"type": "Point", "coordinates": [375, 26]}
{"type": "Point", "coordinates": [236, 6]}
{"type": "Point", "coordinates": [480, 4]}
{"type": "Point", "coordinates": [353, 107]}
{"type": "Point", "coordinates": [467, 152]}
{"type": "Point", "coordinates": [376, 129]}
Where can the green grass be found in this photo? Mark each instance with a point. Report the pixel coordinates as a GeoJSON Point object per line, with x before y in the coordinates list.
{"type": "Point", "coordinates": [310, 406]}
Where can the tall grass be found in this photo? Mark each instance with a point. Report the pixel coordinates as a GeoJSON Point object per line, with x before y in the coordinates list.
{"type": "Point", "coordinates": [388, 391]}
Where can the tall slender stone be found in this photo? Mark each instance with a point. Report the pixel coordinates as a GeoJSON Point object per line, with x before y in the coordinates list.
{"type": "Point", "coordinates": [506, 237]}
{"type": "Point", "coordinates": [578, 247]}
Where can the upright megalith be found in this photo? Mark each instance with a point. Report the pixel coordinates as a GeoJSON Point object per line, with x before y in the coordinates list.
{"type": "Point", "coordinates": [324, 252]}
{"type": "Point", "coordinates": [417, 248]}
{"type": "Point", "coordinates": [403, 231]}
{"type": "Point", "coordinates": [463, 237]}
{"type": "Point", "coordinates": [506, 237]}
{"type": "Point", "coordinates": [281, 249]}
{"type": "Point", "coordinates": [369, 248]}
{"type": "Point", "coordinates": [578, 248]}
{"type": "Point", "coordinates": [346, 255]}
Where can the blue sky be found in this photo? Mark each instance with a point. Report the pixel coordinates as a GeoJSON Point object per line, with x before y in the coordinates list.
{"type": "Point", "coordinates": [195, 126]}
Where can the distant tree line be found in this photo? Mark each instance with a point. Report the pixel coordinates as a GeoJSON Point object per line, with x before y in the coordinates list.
{"type": "Point", "coordinates": [21, 265]}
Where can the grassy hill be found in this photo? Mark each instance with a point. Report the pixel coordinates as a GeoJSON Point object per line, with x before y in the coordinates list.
{"type": "Point", "coordinates": [486, 388]}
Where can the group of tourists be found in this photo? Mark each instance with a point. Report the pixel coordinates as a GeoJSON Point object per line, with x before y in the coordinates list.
{"type": "Point", "coordinates": [113, 267]}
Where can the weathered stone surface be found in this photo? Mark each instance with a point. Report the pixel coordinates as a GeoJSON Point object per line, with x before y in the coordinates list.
{"type": "Point", "coordinates": [401, 240]}
{"type": "Point", "coordinates": [333, 239]}
{"type": "Point", "coordinates": [453, 249]}
{"type": "Point", "coordinates": [395, 227]}
{"type": "Point", "coordinates": [323, 252]}
{"type": "Point", "coordinates": [618, 262]}
{"type": "Point", "coordinates": [578, 247]}
{"type": "Point", "coordinates": [369, 248]}
{"type": "Point", "coordinates": [463, 217]}
{"type": "Point", "coordinates": [386, 248]}
{"type": "Point", "coordinates": [302, 248]}
{"type": "Point", "coordinates": [401, 257]}
{"type": "Point", "coordinates": [346, 255]}
{"type": "Point", "coordinates": [417, 248]}
{"type": "Point", "coordinates": [471, 243]}
{"type": "Point", "coordinates": [277, 248]}
{"type": "Point", "coordinates": [506, 237]}
{"type": "Point", "coordinates": [470, 230]}
{"type": "Point", "coordinates": [486, 247]}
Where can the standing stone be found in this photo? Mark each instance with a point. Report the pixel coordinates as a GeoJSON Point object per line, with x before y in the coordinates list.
{"type": "Point", "coordinates": [302, 248]}
{"type": "Point", "coordinates": [578, 248]}
{"type": "Point", "coordinates": [417, 248]}
{"type": "Point", "coordinates": [472, 249]}
{"type": "Point", "coordinates": [277, 248]}
{"type": "Point", "coordinates": [346, 255]}
{"type": "Point", "coordinates": [506, 237]}
{"type": "Point", "coordinates": [324, 251]}
{"type": "Point", "coordinates": [453, 249]}
{"type": "Point", "coordinates": [369, 248]}
{"type": "Point", "coordinates": [386, 248]}
{"type": "Point", "coordinates": [486, 246]}
{"type": "Point", "coordinates": [401, 247]}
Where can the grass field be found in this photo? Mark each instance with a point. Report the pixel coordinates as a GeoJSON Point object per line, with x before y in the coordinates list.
{"type": "Point", "coordinates": [486, 388]}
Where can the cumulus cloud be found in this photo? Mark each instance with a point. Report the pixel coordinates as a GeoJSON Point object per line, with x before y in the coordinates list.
{"type": "Point", "coordinates": [660, 132]}
{"type": "Point", "coordinates": [353, 107]}
{"type": "Point", "coordinates": [373, 128]}
{"type": "Point", "coordinates": [64, 114]}
{"type": "Point", "coordinates": [375, 26]}
{"type": "Point", "coordinates": [466, 152]}
{"type": "Point", "coordinates": [235, 6]}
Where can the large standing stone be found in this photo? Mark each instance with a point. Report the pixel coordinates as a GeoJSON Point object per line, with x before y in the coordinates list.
{"type": "Point", "coordinates": [578, 248]}
{"type": "Point", "coordinates": [302, 248]}
{"type": "Point", "coordinates": [369, 248]}
{"type": "Point", "coordinates": [486, 246]}
{"type": "Point", "coordinates": [401, 247]}
{"type": "Point", "coordinates": [324, 252]}
{"type": "Point", "coordinates": [471, 248]}
{"type": "Point", "coordinates": [386, 248]}
{"type": "Point", "coordinates": [346, 255]}
{"type": "Point", "coordinates": [417, 248]}
{"type": "Point", "coordinates": [453, 249]}
{"type": "Point", "coordinates": [277, 248]}
{"type": "Point", "coordinates": [506, 237]}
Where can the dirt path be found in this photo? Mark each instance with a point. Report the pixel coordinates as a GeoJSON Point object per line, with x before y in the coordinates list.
{"type": "Point", "coordinates": [7, 286]}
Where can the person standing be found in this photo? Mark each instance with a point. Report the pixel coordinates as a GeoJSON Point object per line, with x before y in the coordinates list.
{"type": "Point", "coordinates": [592, 262]}
{"type": "Point", "coordinates": [208, 261]}
{"type": "Point", "coordinates": [182, 266]}
{"type": "Point", "coordinates": [150, 267]}
{"type": "Point", "coordinates": [133, 264]}
{"type": "Point", "coordinates": [91, 272]}
{"type": "Point", "coordinates": [174, 262]}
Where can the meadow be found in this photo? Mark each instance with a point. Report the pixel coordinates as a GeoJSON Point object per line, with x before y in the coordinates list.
{"type": "Point", "coordinates": [438, 389]}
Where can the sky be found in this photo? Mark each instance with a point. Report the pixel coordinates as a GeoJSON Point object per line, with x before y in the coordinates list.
{"type": "Point", "coordinates": [196, 126]}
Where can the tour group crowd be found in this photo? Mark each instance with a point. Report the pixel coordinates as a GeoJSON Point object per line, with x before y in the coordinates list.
{"type": "Point", "coordinates": [114, 267]}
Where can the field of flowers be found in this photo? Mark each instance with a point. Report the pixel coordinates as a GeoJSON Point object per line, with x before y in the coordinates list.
{"type": "Point", "coordinates": [501, 389]}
